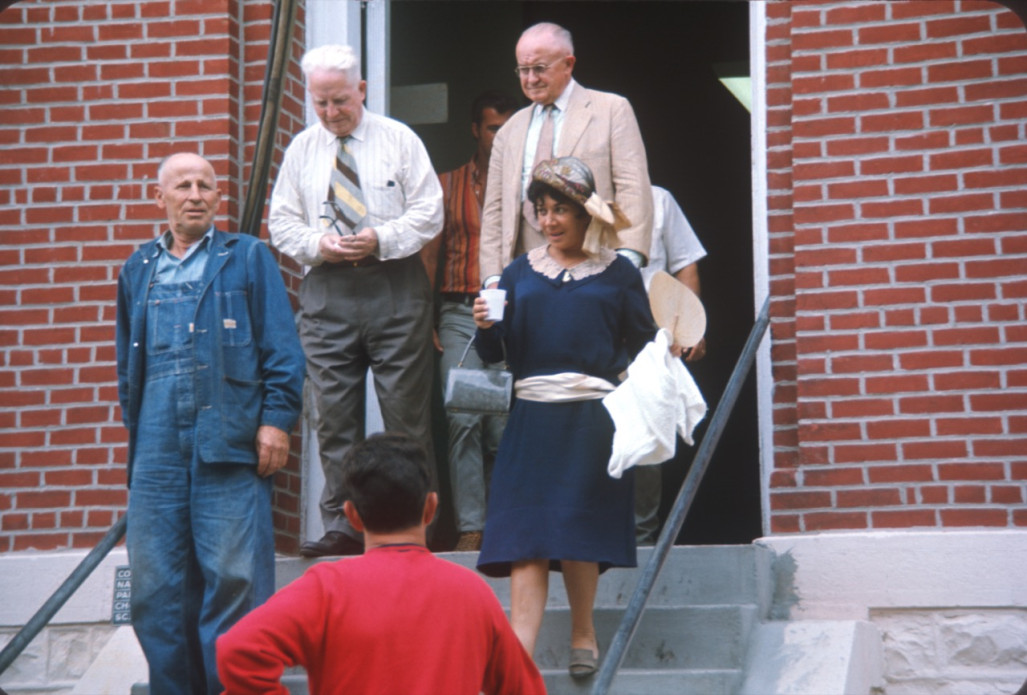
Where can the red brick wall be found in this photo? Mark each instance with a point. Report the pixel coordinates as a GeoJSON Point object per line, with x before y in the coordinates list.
{"type": "Point", "coordinates": [92, 96]}
{"type": "Point", "coordinates": [897, 237]}
{"type": "Point", "coordinates": [898, 240]}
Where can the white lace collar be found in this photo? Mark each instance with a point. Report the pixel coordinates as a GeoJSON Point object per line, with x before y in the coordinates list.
{"type": "Point", "coordinates": [541, 262]}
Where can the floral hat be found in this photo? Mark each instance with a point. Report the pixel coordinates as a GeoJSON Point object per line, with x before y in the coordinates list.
{"type": "Point", "coordinates": [573, 178]}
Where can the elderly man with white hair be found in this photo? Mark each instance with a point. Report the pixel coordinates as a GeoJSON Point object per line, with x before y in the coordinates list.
{"type": "Point", "coordinates": [355, 200]}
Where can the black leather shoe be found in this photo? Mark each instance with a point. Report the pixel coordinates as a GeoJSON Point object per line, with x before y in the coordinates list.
{"type": "Point", "coordinates": [332, 543]}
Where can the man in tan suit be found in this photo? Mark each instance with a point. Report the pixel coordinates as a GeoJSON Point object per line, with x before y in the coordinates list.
{"type": "Point", "coordinates": [598, 128]}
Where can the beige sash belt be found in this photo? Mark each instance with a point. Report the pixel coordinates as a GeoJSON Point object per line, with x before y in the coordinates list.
{"type": "Point", "coordinates": [562, 388]}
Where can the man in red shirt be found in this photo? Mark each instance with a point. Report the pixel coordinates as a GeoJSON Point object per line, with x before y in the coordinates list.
{"type": "Point", "coordinates": [394, 620]}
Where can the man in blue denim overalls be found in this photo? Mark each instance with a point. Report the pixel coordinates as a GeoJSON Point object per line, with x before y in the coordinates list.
{"type": "Point", "coordinates": [210, 374]}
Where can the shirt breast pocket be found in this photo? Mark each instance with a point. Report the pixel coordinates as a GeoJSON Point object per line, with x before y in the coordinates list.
{"type": "Point", "coordinates": [384, 201]}
{"type": "Point", "coordinates": [235, 318]}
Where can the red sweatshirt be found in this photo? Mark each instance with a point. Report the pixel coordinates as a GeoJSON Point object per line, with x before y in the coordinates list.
{"type": "Point", "coordinates": [394, 620]}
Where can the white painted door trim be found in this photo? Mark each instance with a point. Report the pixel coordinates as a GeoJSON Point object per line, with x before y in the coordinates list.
{"type": "Point", "coordinates": [761, 247]}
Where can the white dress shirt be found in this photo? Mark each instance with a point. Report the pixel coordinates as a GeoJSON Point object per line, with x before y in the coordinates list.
{"type": "Point", "coordinates": [400, 188]}
{"type": "Point", "coordinates": [535, 130]}
{"type": "Point", "coordinates": [674, 244]}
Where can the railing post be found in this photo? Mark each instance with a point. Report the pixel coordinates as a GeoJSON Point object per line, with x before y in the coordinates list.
{"type": "Point", "coordinates": [633, 612]}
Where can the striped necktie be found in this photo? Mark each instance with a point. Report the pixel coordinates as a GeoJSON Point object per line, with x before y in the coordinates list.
{"type": "Point", "coordinates": [543, 151]}
{"type": "Point", "coordinates": [344, 195]}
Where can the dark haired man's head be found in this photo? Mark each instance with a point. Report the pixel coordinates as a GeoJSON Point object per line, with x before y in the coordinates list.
{"type": "Point", "coordinates": [488, 114]}
{"type": "Point", "coordinates": [388, 480]}
{"type": "Point", "coordinates": [497, 101]}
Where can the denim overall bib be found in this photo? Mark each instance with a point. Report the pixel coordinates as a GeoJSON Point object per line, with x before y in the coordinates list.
{"type": "Point", "coordinates": [200, 540]}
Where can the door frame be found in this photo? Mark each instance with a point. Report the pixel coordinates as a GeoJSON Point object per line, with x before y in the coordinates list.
{"type": "Point", "coordinates": [326, 20]}
{"type": "Point", "coordinates": [761, 248]}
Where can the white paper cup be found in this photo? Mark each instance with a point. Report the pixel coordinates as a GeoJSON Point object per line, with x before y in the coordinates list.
{"type": "Point", "coordinates": [496, 299]}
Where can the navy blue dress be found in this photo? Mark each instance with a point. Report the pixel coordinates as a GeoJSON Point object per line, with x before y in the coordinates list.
{"type": "Point", "coordinates": [550, 495]}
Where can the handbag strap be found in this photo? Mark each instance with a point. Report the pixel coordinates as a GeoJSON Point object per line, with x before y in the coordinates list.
{"type": "Point", "coordinates": [470, 342]}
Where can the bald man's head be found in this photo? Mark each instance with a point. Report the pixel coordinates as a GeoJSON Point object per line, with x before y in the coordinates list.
{"type": "Point", "coordinates": [187, 191]}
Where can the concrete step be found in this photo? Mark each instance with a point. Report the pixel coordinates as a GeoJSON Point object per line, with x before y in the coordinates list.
{"type": "Point", "coordinates": [691, 640]}
{"type": "Point", "coordinates": [649, 682]}
{"type": "Point", "coordinates": [627, 682]}
{"type": "Point", "coordinates": [691, 575]}
{"type": "Point", "coordinates": [685, 637]}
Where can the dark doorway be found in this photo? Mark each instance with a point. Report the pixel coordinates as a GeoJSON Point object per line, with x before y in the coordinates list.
{"type": "Point", "coordinates": [664, 57]}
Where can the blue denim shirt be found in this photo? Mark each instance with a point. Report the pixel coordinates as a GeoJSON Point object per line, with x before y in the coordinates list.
{"type": "Point", "coordinates": [188, 268]}
{"type": "Point", "coordinates": [245, 338]}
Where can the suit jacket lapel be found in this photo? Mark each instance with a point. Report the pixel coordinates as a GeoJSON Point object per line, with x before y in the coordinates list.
{"type": "Point", "coordinates": [576, 120]}
{"type": "Point", "coordinates": [512, 165]}
{"type": "Point", "coordinates": [518, 141]}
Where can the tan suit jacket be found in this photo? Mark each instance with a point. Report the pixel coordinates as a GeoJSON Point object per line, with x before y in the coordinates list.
{"type": "Point", "coordinates": [600, 129]}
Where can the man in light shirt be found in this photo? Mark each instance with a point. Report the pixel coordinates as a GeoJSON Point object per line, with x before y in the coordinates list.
{"type": "Point", "coordinates": [565, 119]}
{"type": "Point", "coordinates": [356, 199]}
{"type": "Point", "coordinates": [677, 250]}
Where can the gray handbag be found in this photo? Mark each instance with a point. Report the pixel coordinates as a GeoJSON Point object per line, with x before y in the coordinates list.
{"type": "Point", "coordinates": [480, 391]}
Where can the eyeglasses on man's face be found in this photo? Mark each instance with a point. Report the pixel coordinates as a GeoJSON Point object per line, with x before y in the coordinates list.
{"type": "Point", "coordinates": [523, 71]}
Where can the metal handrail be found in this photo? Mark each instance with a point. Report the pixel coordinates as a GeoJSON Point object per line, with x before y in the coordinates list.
{"type": "Point", "coordinates": [633, 612]}
{"type": "Point", "coordinates": [279, 52]}
{"type": "Point", "coordinates": [53, 604]}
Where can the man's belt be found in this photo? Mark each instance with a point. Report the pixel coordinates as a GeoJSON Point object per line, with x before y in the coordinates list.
{"type": "Point", "coordinates": [465, 298]}
{"type": "Point", "coordinates": [363, 262]}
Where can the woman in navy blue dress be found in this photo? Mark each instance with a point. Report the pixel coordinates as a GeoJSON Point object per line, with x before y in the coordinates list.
{"type": "Point", "coordinates": [576, 315]}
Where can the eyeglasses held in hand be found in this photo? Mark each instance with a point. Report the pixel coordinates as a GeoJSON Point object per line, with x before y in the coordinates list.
{"type": "Point", "coordinates": [332, 219]}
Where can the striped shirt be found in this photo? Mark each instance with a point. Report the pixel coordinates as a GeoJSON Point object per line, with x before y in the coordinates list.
{"type": "Point", "coordinates": [399, 186]}
{"type": "Point", "coordinates": [461, 231]}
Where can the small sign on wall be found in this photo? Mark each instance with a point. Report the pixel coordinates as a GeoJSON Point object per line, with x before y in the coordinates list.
{"type": "Point", "coordinates": [420, 104]}
{"type": "Point", "coordinates": [121, 612]}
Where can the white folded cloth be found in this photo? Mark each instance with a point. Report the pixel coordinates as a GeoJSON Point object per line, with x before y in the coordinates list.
{"type": "Point", "coordinates": [658, 399]}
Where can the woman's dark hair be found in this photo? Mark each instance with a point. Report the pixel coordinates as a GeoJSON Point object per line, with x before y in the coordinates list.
{"type": "Point", "coordinates": [538, 189]}
{"type": "Point", "coordinates": [387, 479]}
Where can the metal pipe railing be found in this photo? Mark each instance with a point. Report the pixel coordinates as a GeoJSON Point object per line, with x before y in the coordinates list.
{"type": "Point", "coordinates": [53, 604]}
{"type": "Point", "coordinates": [279, 53]}
{"type": "Point", "coordinates": [633, 613]}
